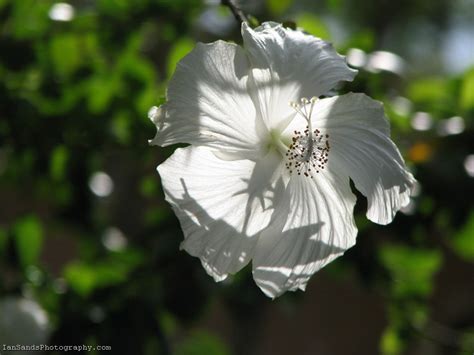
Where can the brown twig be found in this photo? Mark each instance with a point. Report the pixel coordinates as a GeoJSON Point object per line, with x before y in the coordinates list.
{"type": "Point", "coordinates": [236, 11]}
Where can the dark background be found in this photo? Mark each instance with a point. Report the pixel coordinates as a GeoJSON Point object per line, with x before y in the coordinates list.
{"type": "Point", "coordinates": [89, 249]}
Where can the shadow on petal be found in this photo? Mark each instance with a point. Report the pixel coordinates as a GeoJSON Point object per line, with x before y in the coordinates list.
{"type": "Point", "coordinates": [221, 248]}
{"type": "Point", "coordinates": [260, 186]}
{"type": "Point", "coordinates": [293, 259]}
{"type": "Point", "coordinates": [362, 149]}
{"type": "Point", "coordinates": [224, 250]}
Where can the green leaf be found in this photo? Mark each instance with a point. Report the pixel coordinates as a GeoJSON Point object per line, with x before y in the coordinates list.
{"type": "Point", "coordinates": [180, 49]}
{"type": "Point", "coordinates": [81, 277]}
{"type": "Point", "coordinates": [466, 100]}
{"type": "Point", "coordinates": [463, 240]}
{"type": "Point", "coordinates": [201, 342]}
{"type": "Point", "coordinates": [253, 21]}
{"type": "Point", "coordinates": [391, 344]}
{"type": "Point", "coordinates": [168, 323]}
{"type": "Point", "coordinates": [156, 215]}
{"type": "Point", "coordinates": [364, 40]}
{"type": "Point", "coordinates": [102, 88]}
{"type": "Point", "coordinates": [85, 277]}
{"type": "Point", "coordinates": [149, 186]}
{"type": "Point", "coordinates": [121, 7]}
{"type": "Point", "coordinates": [66, 54]}
{"type": "Point", "coordinates": [426, 205]}
{"type": "Point", "coordinates": [278, 7]}
{"type": "Point", "coordinates": [428, 90]}
{"type": "Point", "coordinates": [431, 94]}
{"type": "Point", "coordinates": [28, 240]}
{"type": "Point", "coordinates": [313, 25]}
{"type": "Point", "coordinates": [467, 341]}
{"type": "Point", "coordinates": [29, 18]}
{"type": "Point", "coordinates": [121, 126]}
{"type": "Point", "coordinates": [412, 269]}
{"type": "Point", "coordinates": [335, 5]}
{"type": "Point", "coordinates": [58, 162]}
{"type": "Point", "coordinates": [398, 120]}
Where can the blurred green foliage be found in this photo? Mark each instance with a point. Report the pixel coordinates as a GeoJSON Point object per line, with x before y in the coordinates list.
{"type": "Point", "coordinates": [462, 240]}
{"type": "Point", "coordinates": [28, 240]}
{"type": "Point", "coordinates": [74, 97]}
{"type": "Point", "coordinates": [313, 25]}
{"type": "Point", "coordinates": [201, 343]}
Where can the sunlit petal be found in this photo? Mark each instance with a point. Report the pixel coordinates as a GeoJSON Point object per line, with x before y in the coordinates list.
{"type": "Point", "coordinates": [312, 225]}
{"type": "Point", "coordinates": [361, 147]}
{"type": "Point", "coordinates": [208, 102]}
{"type": "Point", "coordinates": [288, 65]}
{"type": "Point", "coordinates": [222, 205]}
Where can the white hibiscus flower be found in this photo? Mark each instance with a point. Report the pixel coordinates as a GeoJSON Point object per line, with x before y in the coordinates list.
{"type": "Point", "coordinates": [266, 175]}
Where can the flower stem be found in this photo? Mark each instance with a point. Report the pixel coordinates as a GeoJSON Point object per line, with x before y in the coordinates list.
{"type": "Point", "coordinates": [236, 11]}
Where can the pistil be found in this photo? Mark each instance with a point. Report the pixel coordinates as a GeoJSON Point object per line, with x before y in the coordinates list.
{"type": "Point", "coordinates": [308, 152]}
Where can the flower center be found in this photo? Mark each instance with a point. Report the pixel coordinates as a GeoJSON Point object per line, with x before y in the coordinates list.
{"type": "Point", "coordinates": [308, 152]}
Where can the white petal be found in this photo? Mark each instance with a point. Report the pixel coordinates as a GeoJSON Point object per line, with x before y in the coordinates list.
{"type": "Point", "coordinates": [312, 225]}
{"type": "Point", "coordinates": [208, 101]}
{"type": "Point", "coordinates": [222, 205]}
{"type": "Point", "coordinates": [361, 146]}
{"type": "Point", "coordinates": [288, 65]}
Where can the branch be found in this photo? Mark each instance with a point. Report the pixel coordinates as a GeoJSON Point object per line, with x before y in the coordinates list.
{"type": "Point", "coordinates": [236, 11]}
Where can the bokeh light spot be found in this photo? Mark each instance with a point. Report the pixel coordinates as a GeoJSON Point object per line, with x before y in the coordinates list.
{"type": "Point", "coordinates": [61, 12]}
{"type": "Point", "coordinates": [101, 184]}
{"type": "Point", "coordinates": [422, 121]}
{"type": "Point", "coordinates": [469, 165]}
{"type": "Point", "coordinates": [451, 126]}
{"type": "Point", "coordinates": [114, 240]}
{"type": "Point", "coordinates": [420, 152]}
